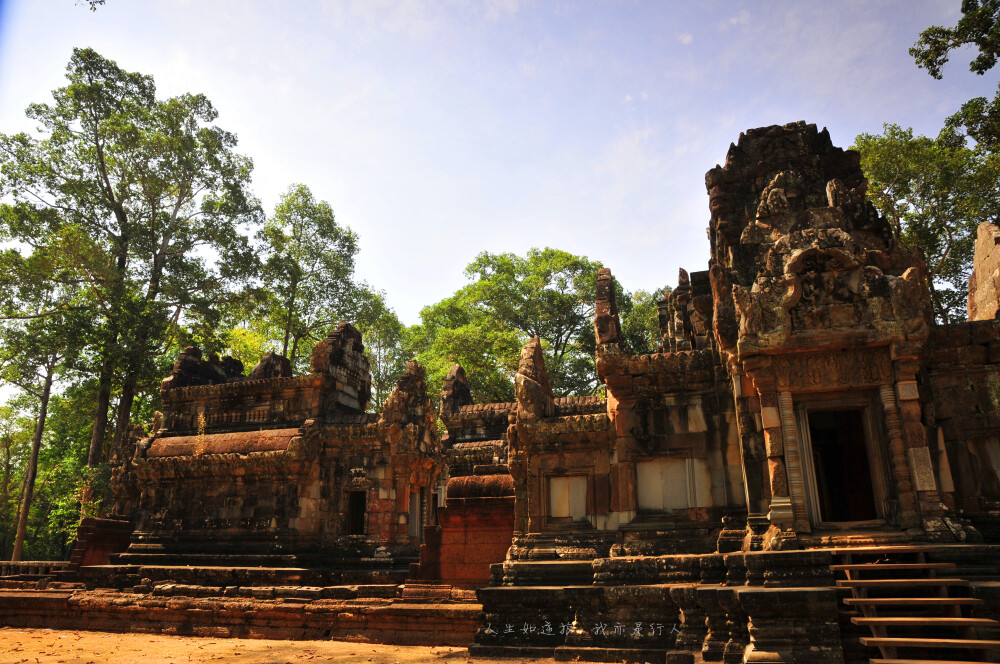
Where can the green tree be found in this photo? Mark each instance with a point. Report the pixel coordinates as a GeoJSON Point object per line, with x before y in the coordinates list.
{"type": "Point", "coordinates": [640, 324]}
{"type": "Point", "coordinates": [547, 293]}
{"type": "Point", "coordinates": [150, 199]}
{"type": "Point", "coordinates": [382, 333]}
{"type": "Point", "coordinates": [978, 27]}
{"type": "Point", "coordinates": [308, 271]}
{"type": "Point", "coordinates": [35, 348]}
{"type": "Point", "coordinates": [457, 330]}
{"type": "Point", "coordinates": [15, 447]}
{"type": "Point", "coordinates": [935, 193]}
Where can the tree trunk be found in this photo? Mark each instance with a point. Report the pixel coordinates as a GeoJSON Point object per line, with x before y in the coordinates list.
{"type": "Point", "coordinates": [124, 416]}
{"type": "Point", "coordinates": [96, 455]}
{"type": "Point", "coordinates": [29, 480]}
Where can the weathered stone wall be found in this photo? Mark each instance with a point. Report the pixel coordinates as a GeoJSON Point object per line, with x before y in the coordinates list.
{"type": "Point", "coordinates": [960, 390]}
{"type": "Point", "coordinates": [984, 282]}
{"type": "Point", "coordinates": [474, 531]}
{"type": "Point", "coordinates": [270, 465]}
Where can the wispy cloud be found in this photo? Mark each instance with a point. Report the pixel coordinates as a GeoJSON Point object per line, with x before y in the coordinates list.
{"type": "Point", "coordinates": [685, 38]}
{"type": "Point", "coordinates": [498, 9]}
{"type": "Point", "coordinates": [741, 18]}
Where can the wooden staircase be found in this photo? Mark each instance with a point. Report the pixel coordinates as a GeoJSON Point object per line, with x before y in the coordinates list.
{"type": "Point", "coordinates": [909, 609]}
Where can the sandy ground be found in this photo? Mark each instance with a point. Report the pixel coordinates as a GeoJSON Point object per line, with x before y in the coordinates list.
{"type": "Point", "coordinates": [47, 646]}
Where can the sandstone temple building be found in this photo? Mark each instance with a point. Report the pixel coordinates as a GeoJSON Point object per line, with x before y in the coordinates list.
{"type": "Point", "coordinates": [808, 470]}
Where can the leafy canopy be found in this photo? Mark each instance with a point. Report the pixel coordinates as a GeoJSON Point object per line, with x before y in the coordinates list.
{"type": "Point", "coordinates": [935, 192]}
{"type": "Point", "coordinates": [979, 26]}
{"type": "Point", "coordinates": [547, 293]}
{"type": "Point", "coordinates": [136, 202]}
{"type": "Point", "coordinates": [308, 269]}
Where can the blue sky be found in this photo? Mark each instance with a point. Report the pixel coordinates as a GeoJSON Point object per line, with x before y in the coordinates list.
{"type": "Point", "coordinates": [437, 130]}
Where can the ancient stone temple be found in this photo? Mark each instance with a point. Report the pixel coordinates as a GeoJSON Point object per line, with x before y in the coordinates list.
{"type": "Point", "coordinates": [279, 468]}
{"type": "Point", "coordinates": [807, 471]}
{"type": "Point", "coordinates": [803, 421]}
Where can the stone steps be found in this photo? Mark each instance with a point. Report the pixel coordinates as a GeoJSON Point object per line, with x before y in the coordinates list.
{"type": "Point", "coordinates": [924, 621]}
{"type": "Point", "coordinates": [970, 644]}
{"type": "Point", "coordinates": [900, 571]}
{"type": "Point", "coordinates": [912, 601]}
{"type": "Point", "coordinates": [127, 576]}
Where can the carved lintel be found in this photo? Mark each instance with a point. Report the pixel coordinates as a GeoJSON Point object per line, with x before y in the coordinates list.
{"type": "Point", "coordinates": [839, 370]}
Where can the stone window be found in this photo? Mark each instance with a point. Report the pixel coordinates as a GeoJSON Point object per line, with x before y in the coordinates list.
{"type": "Point", "coordinates": [672, 483]}
{"type": "Point", "coordinates": [568, 498]}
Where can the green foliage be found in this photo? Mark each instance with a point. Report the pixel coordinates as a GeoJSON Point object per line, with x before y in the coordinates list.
{"type": "Point", "coordinates": [382, 333]}
{"type": "Point", "coordinates": [456, 331]}
{"type": "Point", "coordinates": [16, 426]}
{"type": "Point", "coordinates": [124, 196]}
{"type": "Point", "coordinates": [308, 270]}
{"type": "Point", "coordinates": [935, 192]}
{"type": "Point", "coordinates": [640, 323]}
{"type": "Point", "coordinates": [979, 27]}
{"type": "Point", "coordinates": [548, 293]}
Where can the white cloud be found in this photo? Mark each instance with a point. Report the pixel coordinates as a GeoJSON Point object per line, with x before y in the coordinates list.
{"type": "Point", "coordinates": [685, 38]}
{"type": "Point", "coordinates": [497, 9]}
{"type": "Point", "coordinates": [740, 19]}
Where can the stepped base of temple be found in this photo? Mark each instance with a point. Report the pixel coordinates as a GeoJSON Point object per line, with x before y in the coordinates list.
{"type": "Point", "coordinates": [783, 606]}
{"type": "Point", "coordinates": [361, 613]}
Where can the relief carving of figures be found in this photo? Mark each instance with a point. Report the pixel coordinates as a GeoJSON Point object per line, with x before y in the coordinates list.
{"type": "Point", "coordinates": [840, 370]}
{"type": "Point", "coordinates": [798, 249]}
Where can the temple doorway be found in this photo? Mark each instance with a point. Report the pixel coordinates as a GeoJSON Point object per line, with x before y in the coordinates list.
{"type": "Point", "coordinates": [357, 506]}
{"type": "Point", "coordinates": [843, 486]}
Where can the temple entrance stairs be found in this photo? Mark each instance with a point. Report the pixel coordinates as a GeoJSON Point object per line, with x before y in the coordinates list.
{"type": "Point", "coordinates": [916, 612]}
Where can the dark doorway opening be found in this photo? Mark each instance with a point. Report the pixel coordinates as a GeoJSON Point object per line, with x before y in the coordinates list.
{"type": "Point", "coordinates": [843, 475]}
{"type": "Point", "coordinates": [357, 506]}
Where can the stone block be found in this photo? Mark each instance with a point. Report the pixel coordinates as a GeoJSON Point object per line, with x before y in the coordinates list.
{"type": "Point", "coordinates": [769, 417]}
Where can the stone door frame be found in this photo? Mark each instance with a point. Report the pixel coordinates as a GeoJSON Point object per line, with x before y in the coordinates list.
{"type": "Point", "coordinates": [876, 447]}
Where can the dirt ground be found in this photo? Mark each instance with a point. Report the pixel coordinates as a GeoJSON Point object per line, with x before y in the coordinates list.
{"type": "Point", "coordinates": [48, 646]}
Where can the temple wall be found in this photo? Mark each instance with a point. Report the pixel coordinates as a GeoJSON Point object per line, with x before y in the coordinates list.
{"type": "Point", "coordinates": [474, 531]}
{"type": "Point", "coordinates": [960, 391]}
{"type": "Point", "coordinates": [984, 282]}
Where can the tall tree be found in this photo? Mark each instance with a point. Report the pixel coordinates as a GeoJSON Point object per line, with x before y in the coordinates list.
{"type": "Point", "coordinates": [33, 347]}
{"type": "Point", "coordinates": [935, 193]}
{"type": "Point", "coordinates": [547, 293]}
{"type": "Point", "coordinates": [382, 333]}
{"type": "Point", "coordinates": [147, 191]}
{"type": "Point", "coordinates": [308, 270]}
{"type": "Point", "coordinates": [978, 27]}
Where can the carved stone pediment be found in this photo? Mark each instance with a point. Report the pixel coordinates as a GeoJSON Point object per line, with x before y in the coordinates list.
{"type": "Point", "coordinates": [800, 253]}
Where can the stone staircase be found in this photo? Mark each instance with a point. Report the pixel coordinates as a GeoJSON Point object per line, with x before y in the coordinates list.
{"type": "Point", "coordinates": [914, 615]}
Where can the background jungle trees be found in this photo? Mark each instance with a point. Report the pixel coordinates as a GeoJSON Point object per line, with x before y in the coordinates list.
{"type": "Point", "coordinates": [547, 293]}
{"type": "Point", "coordinates": [935, 193]}
{"type": "Point", "coordinates": [133, 195]}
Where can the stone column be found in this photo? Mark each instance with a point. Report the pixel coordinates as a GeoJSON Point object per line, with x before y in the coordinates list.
{"type": "Point", "coordinates": [793, 461]}
{"type": "Point", "coordinates": [918, 455]}
{"type": "Point", "coordinates": [908, 514]}
{"type": "Point", "coordinates": [717, 634]}
{"type": "Point", "coordinates": [692, 630]}
{"type": "Point", "coordinates": [792, 625]}
{"type": "Point", "coordinates": [751, 453]}
{"type": "Point", "coordinates": [736, 627]}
